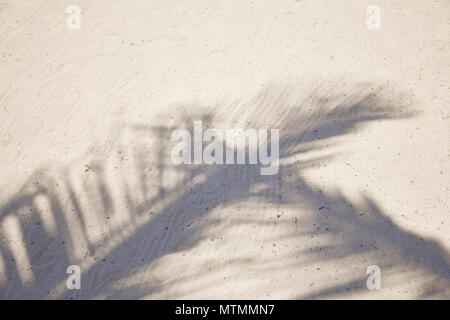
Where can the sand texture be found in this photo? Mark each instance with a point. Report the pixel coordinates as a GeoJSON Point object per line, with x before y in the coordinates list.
{"type": "Point", "coordinates": [85, 140]}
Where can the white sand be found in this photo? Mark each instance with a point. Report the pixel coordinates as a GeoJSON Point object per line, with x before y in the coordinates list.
{"type": "Point", "coordinates": [87, 180]}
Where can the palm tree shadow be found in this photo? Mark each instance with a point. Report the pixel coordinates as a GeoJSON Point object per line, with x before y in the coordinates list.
{"type": "Point", "coordinates": [373, 233]}
{"type": "Point", "coordinates": [159, 209]}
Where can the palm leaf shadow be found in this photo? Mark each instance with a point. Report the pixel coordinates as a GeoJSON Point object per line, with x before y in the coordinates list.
{"type": "Point", "coordinates": [312, 123]}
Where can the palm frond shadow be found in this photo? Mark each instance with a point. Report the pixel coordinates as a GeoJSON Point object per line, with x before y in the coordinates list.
{"type": "Point", "coordinates": [133, 205]}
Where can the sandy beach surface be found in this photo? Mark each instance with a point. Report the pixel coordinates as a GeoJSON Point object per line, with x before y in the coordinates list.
{"type": "Point", "coordinates": [85, 139]}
